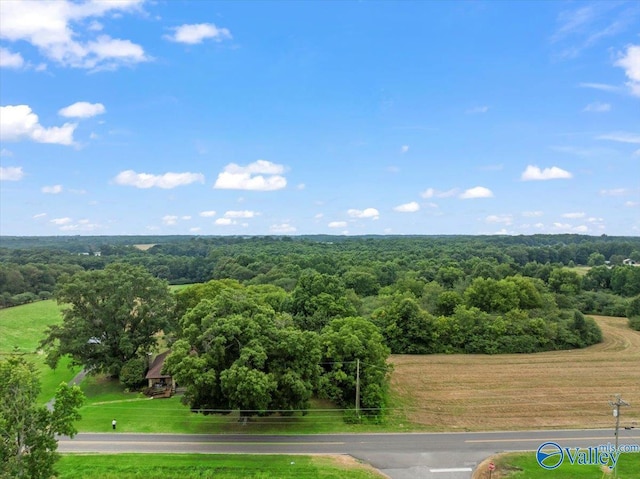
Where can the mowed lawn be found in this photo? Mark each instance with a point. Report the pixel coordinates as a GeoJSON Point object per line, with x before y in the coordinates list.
{"type": "Point", "coordinates": [23, 327]}
{"type": "Point", "coordinates": [562, 389]}
{"type": "Point", "coordinates": [219, 466]}
{"type": "Point", "coordinates": [523, 465]}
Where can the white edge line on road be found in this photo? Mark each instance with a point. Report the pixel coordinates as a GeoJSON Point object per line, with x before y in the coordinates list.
{"type": "Point", "coordinates": [452, 469]}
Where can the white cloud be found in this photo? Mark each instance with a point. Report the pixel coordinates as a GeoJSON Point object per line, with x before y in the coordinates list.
{"type": "Point", "coordinates": [621, 137]}
{"type": "Point", "coordinates": [631, 204]}
{"type": "Point", "coordinates": [6, 153]}
{"type": "Point", "coordinates": [282, 228]}
{"type": "Point", "coordinates": [240, 214]}
{"type": "Point", "coordinates": [506, 219]}
{"type": "Point", "coordinates": [532, 214]}
{"type": "Point", "coordinates": [477, 109]}
{"type": "Point", "coordinates": [599, 86]}
{"type": "Point", "coordinates": [9, 59]}
{"type": "Point", "coordinates": [207, 214]}
{"type": "Point", "coordinates": [337, 224]}
{"type": "Point", "coordinates": [196, 33]}
{"type": "Point", "coordinates": [18, 122]}
{"type": "Point", "coordinates": [11, 173]}
{"type": "Point", "coordinates": [411, 207]}
{"type": "Point", "coordinates": [59, 31]}
{"type": "Point", "coordinates": [39, 215]}
{"type": "Point", "coordinates": [53, 190]}
{"type": "Point", "coordinates": [366, 213]}
{"type": "Point", "coordinates": [574, 215]}
{"type": "Point", "coordinates": [630, 61]}
{"type": "Point", "coordinates": [166, 181]}
{"type": "Point", "coordinates": [260, 175]}
{"type": "Point", "coordinates": [532, 173]}
{"type": "Point", "coordinates": [404, 148]}
{"type": "Point", "coordinates": [614, 192]}
{"type": "Point", "coordinates": [597, 107]}
{"type": "Point", "coordinates": [195, 229]}
{"type": "Point", "coordinates": [185, 218]}
{"type": "Point", "coordinates": [82, 109]}
{"type": "Point", "coordinates": [224, 222]}
{"type": "Point", "coordinates": [319, 216]}
{"type": "Point", "coordinates": [301, 186]}
{"type": "Point", "coordinates": [476, 192]}
{"type": "Point", "coordinates": [432, 193]}
{"type": "Point", "coordinates": [61, 221]}
{"type": "Point", "coordinates": [169, 220]}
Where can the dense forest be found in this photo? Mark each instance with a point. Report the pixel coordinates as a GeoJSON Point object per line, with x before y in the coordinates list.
{"type": "Point", "coordinates": [276, 320]}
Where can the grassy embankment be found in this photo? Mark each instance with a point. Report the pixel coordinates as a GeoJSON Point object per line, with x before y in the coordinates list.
{"type": "Point", "coordinates": [220, 466]}
{"type": "Point", "coordinates": [23, 327]}
{"type": "Point", "coordinates": [524, 466]}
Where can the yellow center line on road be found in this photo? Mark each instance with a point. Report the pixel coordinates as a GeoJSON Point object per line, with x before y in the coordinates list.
{"type": "Point", "coordinates": [541, 439]}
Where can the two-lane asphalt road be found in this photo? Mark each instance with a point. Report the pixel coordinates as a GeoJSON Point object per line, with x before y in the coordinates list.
{"type": "Point", "coordinates": [400, 456]}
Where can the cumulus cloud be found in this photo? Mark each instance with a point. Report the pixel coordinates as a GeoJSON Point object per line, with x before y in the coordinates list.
{"type": "Point", "coordinates": [61, 221]}
{"type": "Point", "coordinates": [166, 181]}
{"type": "Point", "coordinates": [11, 173]}
{"type": "Point", "coordinates": [8, 59]}
{"type": "Point", "coordinates": [224, 222]}
{"type": "Point", "coordinates": [411, 207]}
{"type": "Point", "coordinates": [19, 122]}
{"type": "Point", "coordinates": [366, 213]}
{"type": "Point", "coordinates": [260, 175]}
{"type": "Point", "coordinates": [240, 214]}
{"type": "Point", "coordinates": [404, 148]}
{"type": "Point", "coordinates": [505, 219]}
{"type": "Point", "coordinates": [630, 61]}
{"type": "Point", "coordinates": [476, 192]}
{"type": "Point", "coordinates": [433, 193]}
{"type": "Point", "coordinates": [533, 172]}
{"type": "Point", "coordinates": [52, 190]}
{"type": "Point", "coordinates": [282, 228]}
{"type": "Point", "coordinates": [597, 107]}
{"type": "Point", "coordinates": [196, 33]}
{"type": "Point", "coordinates": [207, 214]}
{"type": "Point", "coordinates": [621, 137]}
{"type": "Point", "coordinates": [61, 33]}
{"type": "Point", "coordinates": [337, 224]}
{"type": "Point", "coordinates": [82, 109]}
{"type": "Point", "coordinates": [169, 220]}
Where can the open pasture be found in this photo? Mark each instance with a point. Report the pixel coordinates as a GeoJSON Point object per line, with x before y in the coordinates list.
{"type": "Point", "coordinates": [559, 389]}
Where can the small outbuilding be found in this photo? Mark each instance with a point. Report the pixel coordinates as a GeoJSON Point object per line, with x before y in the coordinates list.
{"type": "Point", "coordinates": [160, 384]}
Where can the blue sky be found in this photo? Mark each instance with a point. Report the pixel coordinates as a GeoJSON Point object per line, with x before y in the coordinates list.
{"type": "Point", "coordinates": [338, 117]}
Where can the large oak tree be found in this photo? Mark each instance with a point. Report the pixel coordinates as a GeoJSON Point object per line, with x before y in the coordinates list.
{"type": "Point", "coordinates": [110, 316]}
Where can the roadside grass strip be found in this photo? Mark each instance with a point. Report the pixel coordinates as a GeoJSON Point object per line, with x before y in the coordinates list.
{"type": "Point", "coordinates": [219, 466]}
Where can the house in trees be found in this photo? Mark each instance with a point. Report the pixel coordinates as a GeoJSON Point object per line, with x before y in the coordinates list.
{"type": "Point", "coordinates": [160, 384]}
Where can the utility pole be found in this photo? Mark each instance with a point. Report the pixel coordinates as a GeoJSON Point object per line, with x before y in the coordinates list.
{"type": "Point", "coordinates": [616, 413]}
{"type": "Point", "coordinates": [358, 389]}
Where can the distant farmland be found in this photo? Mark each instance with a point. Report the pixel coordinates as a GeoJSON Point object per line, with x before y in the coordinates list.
{"type": "Point", "coordinates": [560, 389]}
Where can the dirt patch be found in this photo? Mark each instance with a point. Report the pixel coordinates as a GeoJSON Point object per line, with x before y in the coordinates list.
{"type": "Point", "coordinates": [344, 461]}
{"type": "Point", "coordinates": [559, 389]}
{"type": "Point", "coordinates": [144, 247]}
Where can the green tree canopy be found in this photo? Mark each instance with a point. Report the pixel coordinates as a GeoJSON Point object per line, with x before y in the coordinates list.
{"type": "Point", "coordinates": [27, 430]}
{"type": "Point", "coordinates": [109, 317]}
{"type": "Point", "coordinates": [237, 353]}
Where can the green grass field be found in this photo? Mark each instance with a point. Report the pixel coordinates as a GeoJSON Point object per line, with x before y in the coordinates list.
{"type": "Point", "coordinates": [524, 466]}
{"type": "Point", "coordinates": [22, 328]}
{"type": "Point", "coordinates": [228, 466]}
